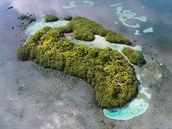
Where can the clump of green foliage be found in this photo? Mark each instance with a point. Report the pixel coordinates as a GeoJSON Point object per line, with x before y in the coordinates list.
{"type": "Point", "coordinates": [85, 29]}
{"type": "Point", "coordinates": [134, 56]}
{"type": "Point", "coordinates": [107, 70]}
{"type": "Point", "coordinates": [28, 17]}
{"type": "Point", "coordinates": [67, 18]}
{"type": "Point", "coordinates": [114, 37]}
{"type": "Point", "coordinates": [50, 18]}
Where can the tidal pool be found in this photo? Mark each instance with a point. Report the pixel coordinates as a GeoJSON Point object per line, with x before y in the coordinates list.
{"type": "Point", "coordinates": [101, 42]}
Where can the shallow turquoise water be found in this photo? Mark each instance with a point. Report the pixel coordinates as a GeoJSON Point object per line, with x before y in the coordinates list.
{"type": "Point", "coordinates": [133, 109]}
{"type": "Point", "coordinates": [41, 23]}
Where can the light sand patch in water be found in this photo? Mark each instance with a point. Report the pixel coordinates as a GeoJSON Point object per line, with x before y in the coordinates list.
{"type": "Point", "coordinates": [137, 32]}
{"type": "Point", "coordinates": [125, 15]}
{"type": "Point", "coordinates": [70, 5]}
{"type": "Point", "coordinates": [91, 3]}
{"type": "Point", "coordinates": [148, 30]}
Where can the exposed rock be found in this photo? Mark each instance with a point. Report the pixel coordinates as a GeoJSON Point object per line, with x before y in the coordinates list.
{"type": "Point", "coordinates": [154, 73]}
{"type": "Point", "coordinates": [10, 7]}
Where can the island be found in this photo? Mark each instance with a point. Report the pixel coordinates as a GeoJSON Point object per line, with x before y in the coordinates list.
{"type": "Point", "coordinates": [108, 71]}
{"type": "Point", "coordinates": [51, 18]}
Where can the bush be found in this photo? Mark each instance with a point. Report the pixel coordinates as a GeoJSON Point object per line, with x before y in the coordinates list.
{"type": "Point", "coordinates": [82, 34]}
{"type": "Point", "coordinates": [108, 72]}
{"type": "Point", "coordinates": [115, 37]}
{"type": "Point", "coordinates": [134, 56]}
{"type": "Point", "coordinates": [23, 53]}
{"type": "Point", "coordinates": [50, 18]}
{"type": "Point", "coordinates": [67, 18]}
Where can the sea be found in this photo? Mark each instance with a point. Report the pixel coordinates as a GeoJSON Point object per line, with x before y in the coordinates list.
{"type": "Point", "coordinates": [29, 92]}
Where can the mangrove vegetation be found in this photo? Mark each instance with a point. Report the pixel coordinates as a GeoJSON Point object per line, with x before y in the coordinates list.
{"type": "Point", "coordinates": [67, 18]}
{"type": "Point", "coordinates": [85, 29]}
{"type": "Point", "coordinates": [134, 56]}
{"type": "Point", "coordinates": [106, 70]}
{"type": "Point", "coordinates": [50, 18]}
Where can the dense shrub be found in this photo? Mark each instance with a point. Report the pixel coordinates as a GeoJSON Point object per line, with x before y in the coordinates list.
{"type": "Point", "coordinates": [23, 53]}
{"type": "Point", "coordinates": [108, 72]}
{"type": "Point", "coordinates": [134, 56]}
{"type": "Point", "coordinates": [67, 18]}
{"type": "Point", "coordinates": [83, 34]}
{"type": "Point", "coordinates": [113, 37]}
{"type": "Point", "coordinates": [85, 29]}
{"type": "Point", "coordinates": [50, 18]}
